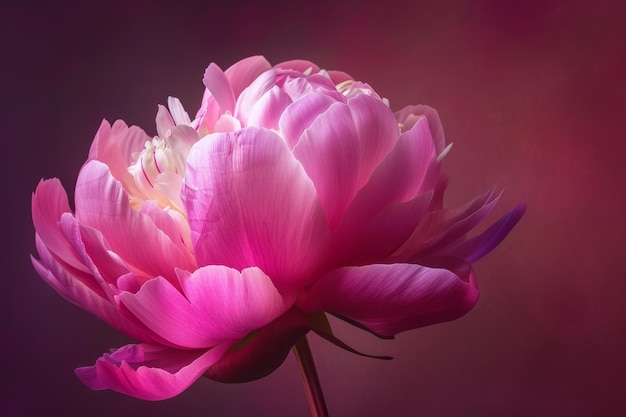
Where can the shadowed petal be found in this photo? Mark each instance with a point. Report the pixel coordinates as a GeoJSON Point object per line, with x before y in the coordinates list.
{"type": "Point", "coordinates": [475, 248]}
{"type": "Point", "coordinates": [262, 351]}
{"type": "Point", "coordinates": [408, 171]}
{"type": "Point", "coordinates": [149, 372]}
{"type": "Point", "coordinates": [394, 298]}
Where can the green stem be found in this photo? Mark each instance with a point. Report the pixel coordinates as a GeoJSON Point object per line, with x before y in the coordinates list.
{"type": "Point", "coordinates": [309, 376]}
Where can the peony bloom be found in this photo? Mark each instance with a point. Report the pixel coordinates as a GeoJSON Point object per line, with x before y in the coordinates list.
{"type": "Point", "coordinates": [221, 241]}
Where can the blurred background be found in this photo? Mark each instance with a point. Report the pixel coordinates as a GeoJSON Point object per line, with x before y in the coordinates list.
{"type": "Point", "coordinates": [531, 93]}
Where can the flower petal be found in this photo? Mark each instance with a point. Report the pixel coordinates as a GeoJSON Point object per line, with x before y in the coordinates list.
{"type": "Point", "coordinates": [149, 372]}
{"type": "Point", "coordinates": [242, 73]}
{"type": "Point", "coordinates": [49, 203]}
{"type": "Point", "coordinates": [377, 130]}
{"type": "Point", "coordinates": [475, 248]}
{"type": "Point", "coordinates": [101, 203]}
{"type": "Point", "coordinates": [410, 114]}
{"type": "Point", "coordinates": [164, 121]}
{"type": "Point", "coordinates": [408, 171]}
{"type": "Point", "coordinates": [329, 151]}
{"type": "Point", "coordinates": [263, 351]}
{"type": "Point", "coordinates": [300, 114]}
{"type": "Point", "coordinates": [394, 298]}
{"type": "Point", "coordinates": [238, 221]}
{"type": "Point", "coordinates": [180, 116]}
{"type": "Point", "coordinates": [441, 228]}
{"type": "Point", "coordinates": [116, 146]}
{"type": "Point", "coordinates": [85, 292]}
{"type": "Point", "coordinates": [299, 65]}
{"type": "Point", "coordinates": [217, 304]}
{"type": "Point", "coordinates": [266, 112]}
{"type": "Point", "coordinates": [252, 94]}
{"type": "Point", "coordinates": [216, 82]}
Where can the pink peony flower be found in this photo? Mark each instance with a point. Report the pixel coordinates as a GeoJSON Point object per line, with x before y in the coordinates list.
{"type": "Point", "coordinates": [220, 242]}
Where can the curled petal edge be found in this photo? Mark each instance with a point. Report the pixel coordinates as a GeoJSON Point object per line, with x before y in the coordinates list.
{"type": "Point", "coordinates": [149, 372]}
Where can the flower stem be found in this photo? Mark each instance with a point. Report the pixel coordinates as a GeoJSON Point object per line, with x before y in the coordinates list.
{"type": "Point", "coordinates": [309, 376]}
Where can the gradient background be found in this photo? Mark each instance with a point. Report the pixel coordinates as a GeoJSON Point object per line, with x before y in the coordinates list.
{"type": "Point", "coordinates": [533, 97]}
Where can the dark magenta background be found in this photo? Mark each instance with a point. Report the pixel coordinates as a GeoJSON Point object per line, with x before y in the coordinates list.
{"type": "Point", "coordinates": [532, 96]}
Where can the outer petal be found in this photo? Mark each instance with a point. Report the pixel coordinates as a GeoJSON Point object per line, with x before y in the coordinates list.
{"type": "Point", "coordinates": [393, 298]}
{"type": "Point", "coordinates": [149, 372]}
{"type": "Point", "coordinates": [444, 227]}
{"type": "Point", "coordinates": [217, 304]}
{"type": "Point", "coordinates": [475, 248]}
{"type": "Point", "coordinates": [87, 294]}
{"type": "Point", "coordinates": [49, 203]}
{"type": "Point", "coordinates": [101, 203]}
{"type": "Point", "coordinates": [263, 351]}
{"type": "Point", "coordinates": [250, 203]}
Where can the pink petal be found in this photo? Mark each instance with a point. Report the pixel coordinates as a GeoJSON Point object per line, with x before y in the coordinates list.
{"type": "Point", "coordinates": [299, 65]}
{"type": "Point", "coordinates": [180, 116]}
{"type": "Point", "coordinates": [49, 202]}
{"type": "Point", "coordinates": [217, 304]}
{"type": "Point", "coordinates": [263, 351]}
{"type": "Point", "coordinates": [329, 151]}
{"type": "Point", "coordinates": [377, 130]}
{"type": "Point", "coordinates": [85, 292]}
{"type": "Point", "coordinates": [104, 265]}
{"type": "Point", "coordinates": [441, 228]}
{"type": "Point", "coordinates": [164, 121]}
{"type": "Point", "coordinates": [101, 203]}
{"type": "Point", "coordinates": [250, 203]}
{"type": "Point", "coordinates": [216, 82]}
{"type": "Point", "coordinates": [337, 77]}
{"type": "Point", "coordinates": [267, 111]}
{"type": "Point", "coordinates": [392, 298]}
{"type": "Point", "coordinates": [116, 146]}
{"type": "Point", "coordinates": [299, 116]}
{"type": "Point", "coordinates": [241, 74]}
{"type": "Point", "coordinates": [342, 148]}
{"type": "Point", "coordinates": [377, 239]}
{"type": "Point", "coordinates": [149, 372]}
{"type": "Point", "coordinates": [410, 114]}
{"type": "Point", "coordinates": [252, 94]}
{"type": "Point", "coordinates": [409, 170]}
